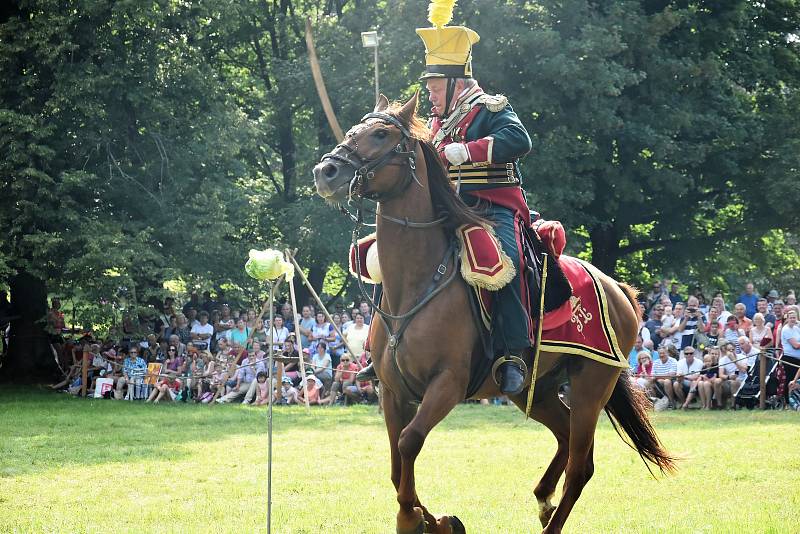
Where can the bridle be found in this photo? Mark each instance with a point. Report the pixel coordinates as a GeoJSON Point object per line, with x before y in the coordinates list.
{"type": "Point", "coordinates": [364, 171]}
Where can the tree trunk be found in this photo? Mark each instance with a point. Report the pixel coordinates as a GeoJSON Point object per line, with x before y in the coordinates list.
{"type": "Point", "coordinates": [605, 248]}
{"type": "Point", "coordinates": [30, 357]}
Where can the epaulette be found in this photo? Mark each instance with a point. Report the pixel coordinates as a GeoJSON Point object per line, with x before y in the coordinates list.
{"type": "Point", "coordinates": [493, 103]}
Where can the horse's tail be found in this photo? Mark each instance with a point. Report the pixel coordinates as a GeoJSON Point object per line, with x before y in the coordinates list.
{"type": "Point", "coordinates": [627, 408]}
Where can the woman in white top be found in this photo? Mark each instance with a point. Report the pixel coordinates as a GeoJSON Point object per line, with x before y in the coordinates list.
{"type": "Point", "coordinates": [759, 332]}
{"type": "Point", "coordinates": [357, 335]}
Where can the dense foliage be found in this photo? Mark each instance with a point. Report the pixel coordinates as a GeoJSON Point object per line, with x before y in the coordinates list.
{"type": "Point", "coordinates": [144, 141]}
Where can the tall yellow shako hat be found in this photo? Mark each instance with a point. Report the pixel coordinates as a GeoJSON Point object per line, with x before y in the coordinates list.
{"type": "Point", "coordinates": [448, 49]}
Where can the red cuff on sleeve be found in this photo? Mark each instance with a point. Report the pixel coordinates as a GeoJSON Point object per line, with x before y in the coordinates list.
{"type": "Point", "coordinates": [480, 151]}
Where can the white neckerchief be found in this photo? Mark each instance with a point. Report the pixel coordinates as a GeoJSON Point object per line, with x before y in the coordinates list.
{"type": "Point", "coordinates": [463, 105]}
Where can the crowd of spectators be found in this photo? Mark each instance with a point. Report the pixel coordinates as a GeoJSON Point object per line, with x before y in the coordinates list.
{"type": "Point", "coordinates": [689, 349]}
{"type": "Point", "coordinates": [211, 352]}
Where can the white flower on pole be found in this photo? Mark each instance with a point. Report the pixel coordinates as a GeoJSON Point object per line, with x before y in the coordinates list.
{"type": "Point", "coordinates": [268, 265]}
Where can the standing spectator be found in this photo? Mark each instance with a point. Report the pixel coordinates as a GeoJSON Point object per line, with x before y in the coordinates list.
{"type": "Point", "coordinates": [749, 298]}
{"type": "Point", "coordinates": [225, 323]}
{"type": "Point", "coordinates": [719, 304]}
{"type": "Point", "coordinates": [357, 334]}
{"type": "Point", "coordinates": [279, 333]}
{"type": "Point", "coordinates": [644, 333]}
{"type": "Point", "coordinates": [713, 317]}
{"type": "Point", "coordinates": [288, 316]}
{"type": "Point", "coordinates": [291, 368]}
{"type": "Point", "coordinates": [304, 326]}
{"type": "Point", "coordinates": [366, 311]}
{"type": "Point", "coordinates": [739, 310]}
{"type": "Point", "coordinates": [202, 332]}
{"type": "Point", "coordinates": [674, 296]}
{"type": "Point", "coordinates": [654, 296]}
{"type": "Point", "coordinates": [686, 377]}
{"type": "Point", "coordinates": [172, 328]}
{"type": "Point", "coordinates": [790, 340]}
{"type": "Point", "coordinates": [133, 370]}
{"type": "Point", "coordinates": [321, 331]}
{"type": "Point", "coordinates": [791, 299]}
{"type": "Point", "coordinates": [184, 331]}
{"type": "Point", "coordinates": [777, 310]}
{"type": "Point", "coordinates": [692, 322]}
{"type": "Point", "coordinates": [336, 346]}
{"type": "Point", "coordinates": [664, 370]}
{"type": "Point", "coordinates": [150, 353]}
{"type": "Point", "coordinates": [760, 333]}
{"type": "Point", "coordinates": [713, 334]}
{"type": "Point", "coordinates": [251, 320]}
{"type": "Point", "coordinates": [194, 303]}
{"type": "Point", "coordinates": [238, 336]}
{"type": "Point", "coordinates": [654, 324]}
{"type": "Point", "coordinates": [772, 296]}
{"type": "Point", "coordinates": [671, 329]}
{"type": "Point", "coordinates": [175, 342]}
{"type": "Point", "coordinates": [763, 308]}
{"type": "Point", "coordinates": [732, 332]}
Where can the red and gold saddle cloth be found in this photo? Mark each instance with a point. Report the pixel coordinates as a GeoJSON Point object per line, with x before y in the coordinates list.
{"type": "Point", "coordinates": [582, 325]}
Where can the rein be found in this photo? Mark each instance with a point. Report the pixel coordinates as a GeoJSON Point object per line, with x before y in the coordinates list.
{"type": "Point", "coordinates": [365, 171]}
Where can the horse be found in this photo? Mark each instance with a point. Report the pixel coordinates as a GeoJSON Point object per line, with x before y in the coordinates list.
{"type": "Point", "coordinates": [424, 374]}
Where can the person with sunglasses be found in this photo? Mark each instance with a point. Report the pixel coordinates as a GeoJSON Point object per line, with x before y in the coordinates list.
{"type": "Point", "coordinates": [344, 377]}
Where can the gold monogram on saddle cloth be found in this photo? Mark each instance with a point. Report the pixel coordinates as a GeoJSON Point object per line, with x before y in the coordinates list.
{"type": "Point", "coordinates": [588, 332]}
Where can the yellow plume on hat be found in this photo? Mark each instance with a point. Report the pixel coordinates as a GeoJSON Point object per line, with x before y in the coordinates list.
{"type": "Point", "coordinates": [440, 12]}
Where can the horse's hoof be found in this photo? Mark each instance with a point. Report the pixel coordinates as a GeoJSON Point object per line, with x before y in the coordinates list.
{"type": "Point", "coordinates": [449, 525]}
{"type": "Point", "coordinates": [457, 526]}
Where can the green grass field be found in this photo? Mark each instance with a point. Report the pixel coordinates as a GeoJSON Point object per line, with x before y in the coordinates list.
{"type": "Point", "coordinates": [73, 465]}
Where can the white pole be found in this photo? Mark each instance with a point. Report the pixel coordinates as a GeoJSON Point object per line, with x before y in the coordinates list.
{"type": "Point", "coordinates": [297, 337]}
{"type": "Point", "coordinates": [269, 415]}
{"type": "Point", "coordinates": [377, 90]}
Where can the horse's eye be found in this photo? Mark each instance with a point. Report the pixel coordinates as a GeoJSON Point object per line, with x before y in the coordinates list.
{"type": "Point", "coordinates": [381, 134]}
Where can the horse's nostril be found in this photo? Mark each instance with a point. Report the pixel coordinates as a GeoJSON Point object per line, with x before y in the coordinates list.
{"type": "Point", "coordinates": [330, 171]}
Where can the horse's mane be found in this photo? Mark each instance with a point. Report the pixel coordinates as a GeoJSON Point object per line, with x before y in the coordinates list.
{"type": "Point", "coordinates": [444, 197]}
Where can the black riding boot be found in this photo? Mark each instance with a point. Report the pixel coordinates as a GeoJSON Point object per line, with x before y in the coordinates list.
{"type": "Point", "coordinates": [512, 375]}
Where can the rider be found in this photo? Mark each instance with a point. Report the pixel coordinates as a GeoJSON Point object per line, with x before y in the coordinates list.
{"type": "Point", "coordinates": [480, 140]}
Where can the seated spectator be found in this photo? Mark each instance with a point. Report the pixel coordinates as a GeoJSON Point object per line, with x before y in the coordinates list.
{"type": "Point", "coordinates": [321, 364]}
{"type": "Point", "coordinates": [203, 382]}
{"type": "Point", "coordinates": [288, 393]}
{"type": "Point", "coordinates": [654, 324]}
{"type": "Point", "coordinates": [633, 356]}
{"type": "Point", "coordinates": [291, 368]}
{"type": "Point", "coordinates": [245, 376]}
{"type": "Point", "coordinates": [687, 377]}
{"type": "Point", "coordinates": [641, 377]}
{"type": "Point", "coordinates": [762, 307]}
{"type": "Point", "coordinates": [664, 370]}
{"type": "Point", "coordinates": [336, 347]}
{"type": "Point", "coordinates": [167, 388]}
{"type": "Point", "coordinates": [150, 353]}
{"type": "Point", "coordinates": [346, 320]}
{"type": "Point", "coordinates": [171, 328]}
{"type": "Point", "coordinates": [713, 333]}
{"type": "Point", "coordinates": [175, 342]}
{"type": "Point", "coordinates": [174, 365]}
{"type": "Point", "coordinates": [748, 351]}
{"type": "Point", "coordinates": [729, 375]}
{"type": "Point", "coordinates": [312, 391]}
{"type": "Point", "coordinates": [225, 322]}
{"type": "Point", "coordinates": [705, 385]}
{"type": "Point", "coordinates": [288, 316]}
{"type": "Point", "coordinates": [133, 370]}
{"type": "Point", "coordinates": [760, 333]}
{"type": "Point", "coordinates": [345, 376]}
{"type": "Point", "coordinates": [712, 317]}
{"type": "Point", "coordinates": [263, 389]}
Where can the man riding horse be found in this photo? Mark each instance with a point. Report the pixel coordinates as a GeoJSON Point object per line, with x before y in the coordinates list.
{"type": "Point", "coordinates": [480, 140]}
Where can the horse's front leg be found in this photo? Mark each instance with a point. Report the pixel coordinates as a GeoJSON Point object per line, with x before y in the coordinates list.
{"type": "Point", "coordinates": [438, 400]}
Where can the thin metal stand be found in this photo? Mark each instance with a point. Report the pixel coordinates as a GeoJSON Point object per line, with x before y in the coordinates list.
{"type": "Point", "coordinates": [271, 287]}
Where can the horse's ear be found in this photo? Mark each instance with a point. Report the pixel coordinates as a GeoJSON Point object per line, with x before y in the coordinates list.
{"type": "Point", "coordinates": [409, 110]}
{"type": "Point", "coordinates": [382, 104]}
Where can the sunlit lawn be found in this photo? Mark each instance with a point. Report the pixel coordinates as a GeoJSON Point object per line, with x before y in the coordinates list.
{"type": "Point", "coordinates": [73, 465]}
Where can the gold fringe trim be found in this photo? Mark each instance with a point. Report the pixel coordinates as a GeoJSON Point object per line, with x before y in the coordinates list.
{"type": "Point", "coordinates": [488, 282]}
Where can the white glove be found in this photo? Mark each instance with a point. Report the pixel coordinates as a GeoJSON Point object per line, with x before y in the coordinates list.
{"type": "Point", "coordinates": [456, 153]}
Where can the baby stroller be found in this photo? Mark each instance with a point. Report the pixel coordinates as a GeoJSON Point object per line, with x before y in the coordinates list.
{"type": "Point", "coordinates": [749, 392]}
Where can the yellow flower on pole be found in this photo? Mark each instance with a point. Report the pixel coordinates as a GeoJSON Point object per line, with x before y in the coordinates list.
{"type": "Point", "coordinates": [267, 265]}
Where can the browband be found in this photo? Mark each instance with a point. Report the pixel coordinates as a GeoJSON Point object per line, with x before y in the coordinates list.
{"type": "Point", "coordinates": [388, 118]}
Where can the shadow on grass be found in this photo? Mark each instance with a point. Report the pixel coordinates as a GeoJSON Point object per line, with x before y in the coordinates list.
{"type": "Point", "coordinates": [42, 430]}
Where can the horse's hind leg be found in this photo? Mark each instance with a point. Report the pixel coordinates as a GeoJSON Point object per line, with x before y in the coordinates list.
{"type": "Point", "coordinates": [438, 400]}
{"type": "Point", "coordinates": [552, 413]}
{"type": "Point", "coordinates": [591, 388]}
